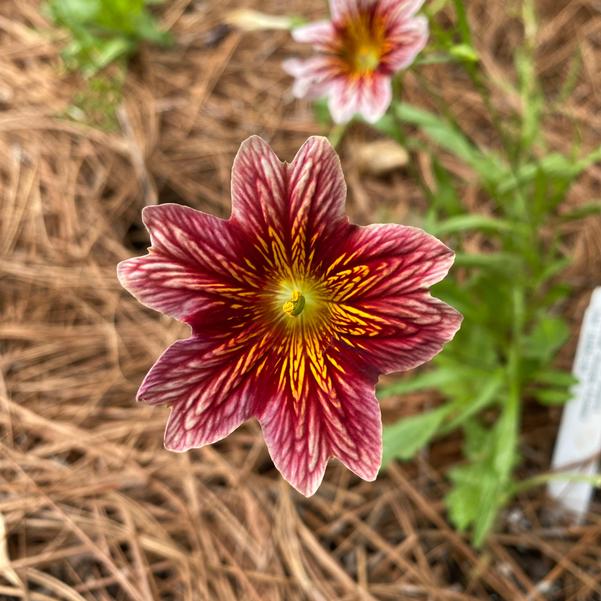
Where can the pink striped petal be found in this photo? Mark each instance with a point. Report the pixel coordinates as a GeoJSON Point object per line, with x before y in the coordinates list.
{"type": "Point", "coordinates": [321, 34]}
{"type": "Point", "coordinates": [286, 206]}
{"type": "Point", "coordinates": [369, 96]}
{"type": "Point", "coordinates": [337, 417]}
{"type": "Point", "coordinates": [316, 186]}
{"type": "Point", "coordinates": [312, 77]}
{"type": "Point", "coordinates": [258, 187]}
{"type": "Point", "coordinates": [192, 258]}
{"type": "Point", "coordinates": [380, 287]}
{"type": "Point", "coordinates": [395, 10]}
{"type": "Point", "coordinates": [345, 99]}
{"type": "Point", "coordinates": [341, 10]}
{"type": "Point", "coordinates": [209, 398]}
{"type": "Point", "coordinates": [397, 333]}
{"type": "Point", "coordinates": [407, 40]}
{"type": "Point", "coordinates": [392, 259]}
{"type": "Point", "coordinates": [376, 97]}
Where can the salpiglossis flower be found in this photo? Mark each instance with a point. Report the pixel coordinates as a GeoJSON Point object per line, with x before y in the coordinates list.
{"type": "Point", "coordinates": [358, 52]}
{"type": "Point", "coordinates": [294, 313]}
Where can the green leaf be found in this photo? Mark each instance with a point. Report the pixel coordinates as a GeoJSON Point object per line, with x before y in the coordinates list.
{"type": "Point", "coordinates": [500, 260]}
{"type": "Point", "coordinates": [505, 440]}
{"type": "Point", "coordinates": [422, 381]}
{"type": "Point", "coordinates": [547, 336]}
{"type": "Point", "coordinates": [406, 437]}
{"type": "Point", "coordinates": [555, 377]}
{"type": "Point", "coordinates": [488, 392]}
{"type": "Point", "coordinates": [103, 30]}
{"type": "Point", "coordinates": [554, 166]}
{"type": "Point", "coordinates": [474, 499]}
{"type": "Point", "coordinates": [585, 210]}
{"type": "Point", "coordinates": [551, 269]}
{"type": "Point", "coordinates": [107, 52]}
{"type": "Point", "coordinates": [552, 396]}
{"type": "Point", "coordinates": [463, 223]}
{"type": "Point", "coordinates": [445, 134]}
{"type": "Point", "coordinates": [482, 486]}
{"type": "Point", "coordinates": [446, 198]}
{"type": "Point", "coordinates": [464, 52]}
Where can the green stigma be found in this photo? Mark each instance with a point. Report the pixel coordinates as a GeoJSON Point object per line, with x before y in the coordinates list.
{"type": "Point", "coordinates": [295, 305]}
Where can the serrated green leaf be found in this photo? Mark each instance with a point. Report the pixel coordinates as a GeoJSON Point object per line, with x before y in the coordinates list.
{"type": "Point", "coordinates": [474, 500]}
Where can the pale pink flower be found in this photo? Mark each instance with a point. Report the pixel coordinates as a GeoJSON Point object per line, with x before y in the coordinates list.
{"type": "Point", "coordinates": [359, 50]}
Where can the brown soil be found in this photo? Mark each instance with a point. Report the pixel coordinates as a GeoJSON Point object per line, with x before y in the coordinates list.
{"type": "Point", "coordinates": [93, 506]}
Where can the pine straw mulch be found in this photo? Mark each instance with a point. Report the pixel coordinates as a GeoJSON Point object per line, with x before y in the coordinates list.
{"type": "Point", "coordinates": [93, 507]}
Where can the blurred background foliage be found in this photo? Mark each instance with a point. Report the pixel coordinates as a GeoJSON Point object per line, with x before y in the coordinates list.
{"type": "Point", "coordinates": [104, 31]}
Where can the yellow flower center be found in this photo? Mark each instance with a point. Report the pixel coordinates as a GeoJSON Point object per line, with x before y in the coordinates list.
{"type": "Point", "coordinates": [364, 44]}
{"type": "Point", "coordinates": [298, 301]}
{"type": "Point", "coordinates": [295, 305]}
{"type": "Point", "coordinates": [367, 59]}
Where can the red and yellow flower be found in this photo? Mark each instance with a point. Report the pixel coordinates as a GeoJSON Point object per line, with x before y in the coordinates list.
{"type": "Point", "coordinates": [294, 313]}
{"type": "Point", "coordinates": [359, 50]}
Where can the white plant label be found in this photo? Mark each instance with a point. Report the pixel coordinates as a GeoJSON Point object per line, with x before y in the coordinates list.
{"type": "Point", "coordinates": [579, 439]}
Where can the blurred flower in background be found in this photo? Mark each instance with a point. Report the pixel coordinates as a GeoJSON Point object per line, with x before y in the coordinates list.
{"type": "Point", "coordinates": [294, 313]}
{"type": "Point", "coordinates": [359, 51]}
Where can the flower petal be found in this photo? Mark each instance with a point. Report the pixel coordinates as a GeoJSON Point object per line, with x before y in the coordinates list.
{"type": "Point", "coordinates": [376, 97]}
{"type": "Point", "coordinates": [289, 208]}
{"type": "Point", "coordinates": [407, 41]}
{"type": "Point", "coordinates": [191, 264]}
{"type": "Point", "coordinates": [341, 10]}
{"type": "Point", "coordinates": [397, 334]}
{"type": "Point", "coordinates": [369, 95]}
{"type": "Point", "coordinates": [382, 307]}
{"type": "Point", "coordinates": [209, 394]}
{"type": "Point", "coordinates": [316, 186]}
{"type": "Point", "coordinates": [345, 98]}
{"type": "Point", "coordinates": [312, 77]}
{"type": "Point", "coordinates": [399, 9]}
{"type": "Point", "coordinates": [321, 34]}
{"type": "Point", "coordinates": [259, 195]}
{"type": "Point", "coordinates": [329, 411]}
{"type": "Point", "coordinates": [387, 260]}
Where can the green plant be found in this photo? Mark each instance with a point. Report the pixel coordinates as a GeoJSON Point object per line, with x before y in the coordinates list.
{"type": "Point", "coordinates": [510, 296]}
{"type": "Point", "coordinates": [97, 103]}
{"type": "Point", "coordinates": [103, 31]}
